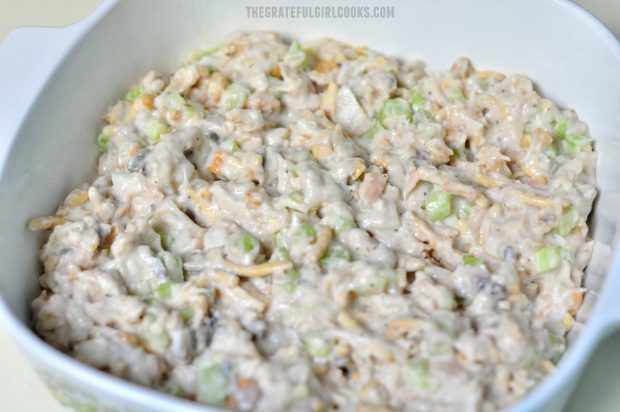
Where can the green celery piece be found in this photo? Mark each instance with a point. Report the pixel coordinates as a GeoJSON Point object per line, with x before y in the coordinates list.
{"type": "Point", "coordinates": [416, 373]}
{"type": "Point", "coordinates": [341, 225]}
{"type": "Point", "coordinates": [296, 56]}
{"type": "Point", "coordinates": [293, 171]}
{"type": "Point", "coordinates": [164, 290]}
{"type": "Point", "coordinates": [456, 95]}
{"type": "Point", "coordinates": [231, 146]}
{"type": "Point", "coordinates": [569, 219]}
{"type": "Point", "coordinates": [470, 260]}
{"type": "Point", "coordinates": [576, 143]}
{"type": "Point", "coordinates": [103, 142]}
{"type": "Point", "coordinates": [316, 345]}
{"type": "Point", "coordinates": [174, 266]}
{"type": "Point", "coordinates": [305, 230]}
{"type": "Point", "coordinates": [438, 205]}
{"type": "Point", "coordinates": [292, 280]}
{"type": "Point", "coordinates": [547, 258]}
{"type": "Point", "coordinates": [559, 128]}
{"type": "Point", "coordinates": [166, 239]}
{"type": "Point", "coordinates": [416, 99]}
{"type": "Point", "coordinates": [296, 197]}
{"type": "Point", "coordinates": [372, 131]}
{"type": "Point", "coordinates": [234, 96]}
{"type": "Point", "coordinates": [248, 243]}
{"type": "Point", "coordinates": [212, 385]}
{"type": "Point", "coordinates": [134, 93]}
{"type": "Point", "coordinates": [154, 129]}
{"type": "Point", "coordinates": [394, 111]}
{"type": "Point", "coordinates": [209, 51]}
{"type": "Point", "coordinates": [335, 254]}
{"type": "Point", "coordinates": [187, 314]}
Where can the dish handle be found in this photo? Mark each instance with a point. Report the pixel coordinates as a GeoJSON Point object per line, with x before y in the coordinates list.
{"type": "Point", "coordinates": [28, 57]}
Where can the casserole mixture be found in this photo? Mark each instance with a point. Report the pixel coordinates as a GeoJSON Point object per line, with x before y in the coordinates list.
{"type": "Point", "coordinates": [284, 228]}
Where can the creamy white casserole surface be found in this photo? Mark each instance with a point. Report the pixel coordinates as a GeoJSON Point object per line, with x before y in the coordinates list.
{"type": "Point", "coordinates": [278, 227]}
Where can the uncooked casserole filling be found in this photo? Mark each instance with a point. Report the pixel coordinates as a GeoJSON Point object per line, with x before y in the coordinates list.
{"type": "Point", "coordinates": [320, 227]}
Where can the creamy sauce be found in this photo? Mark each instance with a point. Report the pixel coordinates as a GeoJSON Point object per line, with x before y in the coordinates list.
{"type": "Point", "coordinates": [276, 227]}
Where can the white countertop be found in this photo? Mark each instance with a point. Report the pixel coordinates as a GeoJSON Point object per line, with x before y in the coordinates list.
{"type": "Point", "coordinates": [20, 390]}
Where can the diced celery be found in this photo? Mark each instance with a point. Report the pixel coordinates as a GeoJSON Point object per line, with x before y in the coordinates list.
{"type": "Point", "coordinates": [576, 143]}
{"type": "Point", "coordinates": [438, 205]}
{"type": "Point", "coordinates": [547, 258]}
{"type": "Point", "coordinates": [279, 254]}
{"type": "Point", "coordinates": [296, 56]}
{"type": "Point", "coordinates": [103, 142]}
{"type": "Point", "coordinates": [305, 230]}
{"type": "Point", "coordinates": [212, 385]}
{"type": "Point", "coordinates": [394, 112]}
{"type": "Point", "coordinates": [173, 100]}
{"type": "Point", "coordinates": [341, 225]}
{"type": "Point", "coordinates": [157, 341]}
{"type": "Point", "coordinates": [174, 391]}
{"type": "Point", "coordinates": [164, 290]}
{"type": "Point", "coordinates": [248, 243]}
{"type": "Point", "coordinates": [134, 93]}
{"type": "Point", "coordinates": [416, 99]}
{"type": "Point", "coordinates": [166, 239]}
{"type": "Point", "coordinates": [484, 84]}
{"type": "Point", "coordinates": [559, 128]}
{"type": "Point", "coordinates": [296, 197]}
{"type": "Point", "coordinates": [187, 314]}
{"type": "Point", "coordinates": [293, 171]}
{"type": "Point", "coordinates": [557, 340]}
{"type": "Point", "coordinates": [154, 129]}
{"type": "Point", "coordinates": [316, 345]}
{"type": "Point", "coordinates": [569, 219]}
{"type": "Point", "coordinates": [335, 255]}
{"type": "Point", "coordinates": [174, 266]}
{"type": "Point", "coordinates": [152, 238]}
{"type": "Point", "coordinates": [415, 374]}
{"type": "Point", "coordinates": [209, 51]}
{"type": "Point", "coordinates": [456, 95]}
{"type": "Point", "coordinates": [155, 338]}
{"type": "Point", "coordinates": [374, 128]}
{"type": "Point", "coordinates": [558, 347]}
{"type": "Point", "coordinates": [531, 360]}
{"type": "Point", "coordinates": [292, 280]}
{"type": "Point", "coordinates": [470, 260]}
{"type": "Point", "coordinates": [234, 96]}
{"type": "Point", "coordinates": [231, 146]}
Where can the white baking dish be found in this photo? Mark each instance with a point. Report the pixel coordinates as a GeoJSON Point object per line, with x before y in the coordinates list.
{"type": "Point", "coordinates": [56, 82]}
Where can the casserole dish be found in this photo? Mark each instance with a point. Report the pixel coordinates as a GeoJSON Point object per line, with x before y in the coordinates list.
{"type": "Point", "coordinates": [75, 57]}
